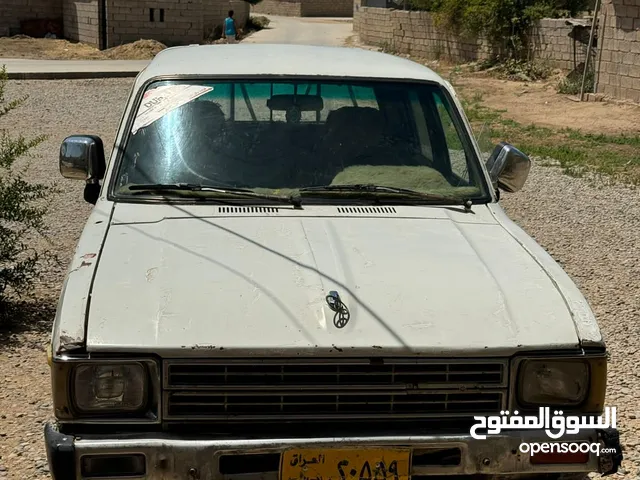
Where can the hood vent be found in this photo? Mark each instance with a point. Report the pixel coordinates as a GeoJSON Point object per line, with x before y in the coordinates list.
{"type": "Point", "coordinates": [236, 210]}
{"type": "Point", "coordinates": [367, 210]}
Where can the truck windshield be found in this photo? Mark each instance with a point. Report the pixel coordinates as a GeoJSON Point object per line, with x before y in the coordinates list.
{"type": "Point", "coordinates": [282, 137]}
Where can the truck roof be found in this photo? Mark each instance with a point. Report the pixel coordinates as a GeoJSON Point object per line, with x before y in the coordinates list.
{"type": "Point", "coordinates": [283, 59]}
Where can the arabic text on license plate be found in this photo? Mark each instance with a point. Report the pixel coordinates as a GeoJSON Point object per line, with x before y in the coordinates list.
{"type": "Point", "coordinates": [346, 464]}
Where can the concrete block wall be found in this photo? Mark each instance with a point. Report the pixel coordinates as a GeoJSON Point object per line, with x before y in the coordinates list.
{"type": "Point", "coordinates": [619, 69]}
{"type": "Point", "coordinates": [373, 24]}
{"type": "Point", "coordinates": [13, 11]}
{"type": "Point", "coordinates": [174, 22]}
{"type": "Point", "coordinates": [215, 11]}
{"type": "Point", "coordinates": [81, 21]}
{"type": "Point", "coordinates": [287, 8]}
{"type": "Point", "coordinates": [414, 33]}
{"type": "Point", "coordinates": [184, 21]}
{"type": "Point", "coordinates": [305, 8]}
{"type": "Point", "coordinates": [327, 8]}
{"type": "Point", "coordinates": [552, 40]}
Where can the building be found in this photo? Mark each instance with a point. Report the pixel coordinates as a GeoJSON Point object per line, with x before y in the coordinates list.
{"type": "Point", "coordinates": [108, 23]}
{"type": "Point", "coordinates": [305, 8]}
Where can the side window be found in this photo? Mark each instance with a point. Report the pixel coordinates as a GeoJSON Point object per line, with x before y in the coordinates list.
{"type": "Point", "coordinates": [457, 154]}
{"type": "Point", "coordinates": [221, 94]}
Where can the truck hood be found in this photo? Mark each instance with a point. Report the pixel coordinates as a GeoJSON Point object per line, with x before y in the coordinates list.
{"type": "Point", "coordinates": [417, 281]}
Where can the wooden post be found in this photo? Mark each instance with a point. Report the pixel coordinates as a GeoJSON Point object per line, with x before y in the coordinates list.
{"type": "Point", "coordinates": [586, 61]}
{"type": "Point", "coordinates": [601, 32]}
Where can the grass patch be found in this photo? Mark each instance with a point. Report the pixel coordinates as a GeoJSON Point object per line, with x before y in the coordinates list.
{"type": "Point", "coordinates": [517, 70]}
{"type": "Point", "coordinates": [576, 152]}
{"type": "Point", "coordinates": [571, 84]}
{"type": "Point", "coordinates": [603, 138]}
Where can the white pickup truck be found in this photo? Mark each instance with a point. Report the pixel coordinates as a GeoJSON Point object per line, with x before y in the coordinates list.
{"type": "Point", "coordinates": [297, 268]}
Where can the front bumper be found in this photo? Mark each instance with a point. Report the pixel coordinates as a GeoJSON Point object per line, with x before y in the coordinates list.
{"type": "Point", "coordinates": [169, 456]}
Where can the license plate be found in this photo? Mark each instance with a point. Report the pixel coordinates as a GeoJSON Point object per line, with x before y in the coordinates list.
{"type": "Point", "coordinates": [346, 464]}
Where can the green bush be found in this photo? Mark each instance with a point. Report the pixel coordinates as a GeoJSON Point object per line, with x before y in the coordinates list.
{"type": "Point", "coordinates": [21, 206]}
{"type": "Point", "coordinates": [523, 70]}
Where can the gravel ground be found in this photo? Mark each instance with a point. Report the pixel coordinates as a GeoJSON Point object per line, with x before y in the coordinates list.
{"type": "Point", "coordinates": [58, 109]}
{"type": "Point", "coordinates": [590, 229]}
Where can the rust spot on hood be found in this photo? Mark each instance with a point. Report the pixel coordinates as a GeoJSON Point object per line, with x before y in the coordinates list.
{"type": "Point", "coordinates": [69, 343]}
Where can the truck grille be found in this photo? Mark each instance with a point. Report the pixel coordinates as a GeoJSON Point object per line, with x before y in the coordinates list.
{"type": "Point", "coordinates": [315, 389]}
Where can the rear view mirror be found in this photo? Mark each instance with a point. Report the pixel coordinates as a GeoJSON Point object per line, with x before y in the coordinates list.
{"type": "Point", "coordinates": [305, 103]}
{"type": "Point", "coordinates": [508, 167]}
{"type": "Point", "coordinates": [82, 158]}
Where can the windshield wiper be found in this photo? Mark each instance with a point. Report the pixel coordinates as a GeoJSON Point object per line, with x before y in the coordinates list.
{"type": "Point", "coordinates": [372, 188]}
{"type": "Point", "coordinates": [193, 187]}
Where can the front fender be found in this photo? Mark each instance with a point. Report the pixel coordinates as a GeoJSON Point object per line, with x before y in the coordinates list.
{"type": "Point", "coordinates": [585, 322]}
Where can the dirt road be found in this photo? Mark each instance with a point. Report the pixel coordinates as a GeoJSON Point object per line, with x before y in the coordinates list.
{"type": "Point", "coordinates": [305, 31]}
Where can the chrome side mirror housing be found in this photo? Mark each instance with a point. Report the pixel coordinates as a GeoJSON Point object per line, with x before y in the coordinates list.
{"type": "Point", "coordinates": [82, 158]}
{"type": "Point", "coordinates": [508, 167]}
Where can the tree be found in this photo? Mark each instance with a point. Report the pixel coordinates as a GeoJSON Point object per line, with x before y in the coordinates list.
{"type": "Point", "coordinates": [21, 205]}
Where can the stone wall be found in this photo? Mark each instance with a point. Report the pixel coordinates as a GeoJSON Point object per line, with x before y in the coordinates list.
{"type": "Point", "coordinates": [82, 21]}
{"type": "Point", "coordinates": [305, 8]}
{"type": "Point", "coordinates": [287, 8]}
{"type": "Point", "coordinates": [619, 69]}
{"type": "Point", "coordinates": [13, 11]}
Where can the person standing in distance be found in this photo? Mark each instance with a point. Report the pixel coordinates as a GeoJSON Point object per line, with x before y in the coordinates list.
{"type": "Point", "coordinates": [230, 30]}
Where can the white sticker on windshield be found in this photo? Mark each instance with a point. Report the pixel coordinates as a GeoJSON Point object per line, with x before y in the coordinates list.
{"type": "Point", "coordinates": [159, 101]}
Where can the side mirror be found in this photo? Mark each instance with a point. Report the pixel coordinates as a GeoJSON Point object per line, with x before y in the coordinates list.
{"type": "Point", "coordinates": [508, 167]}
{"type": "Point", "coordinates": [82, 158]}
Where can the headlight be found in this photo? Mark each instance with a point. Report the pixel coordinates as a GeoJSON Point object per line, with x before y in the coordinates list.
{"type": "Point", "coordinates": [110, 388]}
{"type": "Point", "coordinates": [553, 382]}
